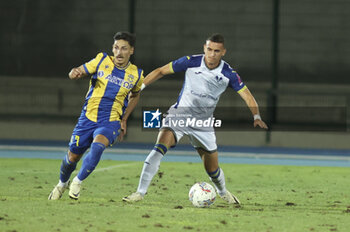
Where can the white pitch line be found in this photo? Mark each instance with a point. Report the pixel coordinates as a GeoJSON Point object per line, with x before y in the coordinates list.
{"type": "Point", "coordinates": [114, 166]}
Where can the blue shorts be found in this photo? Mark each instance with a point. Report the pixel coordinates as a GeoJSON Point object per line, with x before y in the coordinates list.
{"type": "Point", "coordinates": [86, 130]}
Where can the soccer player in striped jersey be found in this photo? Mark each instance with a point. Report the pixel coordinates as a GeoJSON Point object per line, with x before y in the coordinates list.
{"type": "Point", "coordinates": [113, 94]}
{"type": "Point", "coordinates": [206, 78]}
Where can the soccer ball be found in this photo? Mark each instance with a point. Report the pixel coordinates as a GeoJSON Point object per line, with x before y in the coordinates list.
{"type": "Point", "coordinates": [202, 194]}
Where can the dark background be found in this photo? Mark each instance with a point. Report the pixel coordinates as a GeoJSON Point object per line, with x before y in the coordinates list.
{"type": "Point", "coordinates": [41, 38]}
{"type": "Point", "coordinates": [292, 54]}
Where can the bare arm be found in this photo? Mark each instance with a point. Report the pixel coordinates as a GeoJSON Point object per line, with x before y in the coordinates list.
{"type": "Point", "coordinates": [157, 74]}
{"type": "Point", "coordinates": [77, 73]}
{"type": "Point", "coordinates": [253, 106]}
{"type": "Point", "coordinates": [133, 100]}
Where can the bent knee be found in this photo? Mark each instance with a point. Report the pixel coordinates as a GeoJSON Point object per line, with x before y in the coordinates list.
{"type": "Point", "coordinates": [74, 157]}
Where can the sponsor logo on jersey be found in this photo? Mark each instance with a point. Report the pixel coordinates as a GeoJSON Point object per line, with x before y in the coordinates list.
{"type": "Point", "coordinates": [204, 95]}
{"type": "Point", "coordinates": [121, 82]}
{"type": "Point", "coordinates": [239, 79]}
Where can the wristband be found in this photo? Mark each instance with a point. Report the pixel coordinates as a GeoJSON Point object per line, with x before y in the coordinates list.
{"type": "Point", "coordinates": [257, 117]}
{"type": "Point", "coordinates": [143, 86]}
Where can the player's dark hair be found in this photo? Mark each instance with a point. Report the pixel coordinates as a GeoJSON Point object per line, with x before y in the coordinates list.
{"type": "Point", "coordinates": [127, 36]}
{"type": "Point", "coordinates": [216, 38]}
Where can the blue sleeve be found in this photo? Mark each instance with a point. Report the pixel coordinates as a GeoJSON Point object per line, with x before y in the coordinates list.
{"type": "Point", "coordinates": [236, 82]}
{"type": "Point", "coordinates": [181, 64]}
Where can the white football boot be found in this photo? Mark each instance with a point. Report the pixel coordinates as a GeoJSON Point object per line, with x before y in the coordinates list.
{"type": "Point", "coordinates": [133, 197]}
{"type": "Point", "coordinates": [57, 192]}
{"type": "Point", "coordinates": [230, 198]}
{"type": "Point", "coordinates": [74, 190]}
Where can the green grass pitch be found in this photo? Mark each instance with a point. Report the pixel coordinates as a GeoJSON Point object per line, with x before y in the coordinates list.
{"type": "Point", "coordinates": [274, 198]}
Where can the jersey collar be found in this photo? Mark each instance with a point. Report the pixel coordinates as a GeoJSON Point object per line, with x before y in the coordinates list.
{"type": "Point", "coordinates": [122, 68]}
{"type": "Point", "coordinates": [219, 67]}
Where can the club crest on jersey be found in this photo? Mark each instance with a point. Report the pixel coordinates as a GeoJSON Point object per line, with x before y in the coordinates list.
{"type": "Point", "coordinates": [130, 78]}
{"type": "Point", "coordinates": [100, 73]}
{"type": "Point", "coordinates": [218, 79]}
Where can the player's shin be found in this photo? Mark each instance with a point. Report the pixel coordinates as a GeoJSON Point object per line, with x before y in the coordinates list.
{"type": "Point", "coordinates": [67, 167]}
{"type": "Point", "coordinates": [150, 167]}
{"type": "Point", "coordinates": [218, 179]}
{"type": "Point", "coordinates": [91, 160]}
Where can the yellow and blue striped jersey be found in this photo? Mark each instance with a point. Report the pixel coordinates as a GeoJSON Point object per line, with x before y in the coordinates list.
{"type": "Point", "coordinates": [107, 97]}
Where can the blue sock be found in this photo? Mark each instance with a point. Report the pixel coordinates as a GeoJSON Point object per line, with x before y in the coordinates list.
{"type": "Point", "coordinates": [91, 160]}
{"type": "Point", "coordinates": [67, 167]}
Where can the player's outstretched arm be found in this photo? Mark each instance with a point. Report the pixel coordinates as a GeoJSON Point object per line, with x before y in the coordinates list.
{"type": "Point", "coordinates": [77, 73]}
{"type": "Point", "coordinates": [254, 108]}
{"type": "Point", "coordinates": [157, 74]}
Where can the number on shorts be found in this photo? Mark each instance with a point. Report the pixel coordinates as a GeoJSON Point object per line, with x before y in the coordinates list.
{"type": "Point", "coordinates": [77, 140]}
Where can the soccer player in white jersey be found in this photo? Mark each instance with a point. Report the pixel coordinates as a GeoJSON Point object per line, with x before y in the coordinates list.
{"type": "Point", "coordinates": [206, 78]}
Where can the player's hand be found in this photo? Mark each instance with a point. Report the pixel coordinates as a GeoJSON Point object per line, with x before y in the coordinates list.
{"type": "Point", "coordinates": [260, 123]}
{"type": "Point", "coordinates": [75, 74]}
{"type": "Point", "coordinates": [122, 130]}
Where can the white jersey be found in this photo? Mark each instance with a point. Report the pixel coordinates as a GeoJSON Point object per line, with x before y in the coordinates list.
{"type": "Point", "coordinates": [202, 87]}
{"type": "Point", "coordinates": [192, 114]}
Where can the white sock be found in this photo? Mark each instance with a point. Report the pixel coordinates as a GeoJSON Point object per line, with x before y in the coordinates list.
{"type": "Point", "coordinates": [62, 184]}
{"type": "Point", "coordinates": [76, 179]}
{"type": "Point", "coordinates": [219, 182]}
{"type": "Point", "coordinates": [150, 168]}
